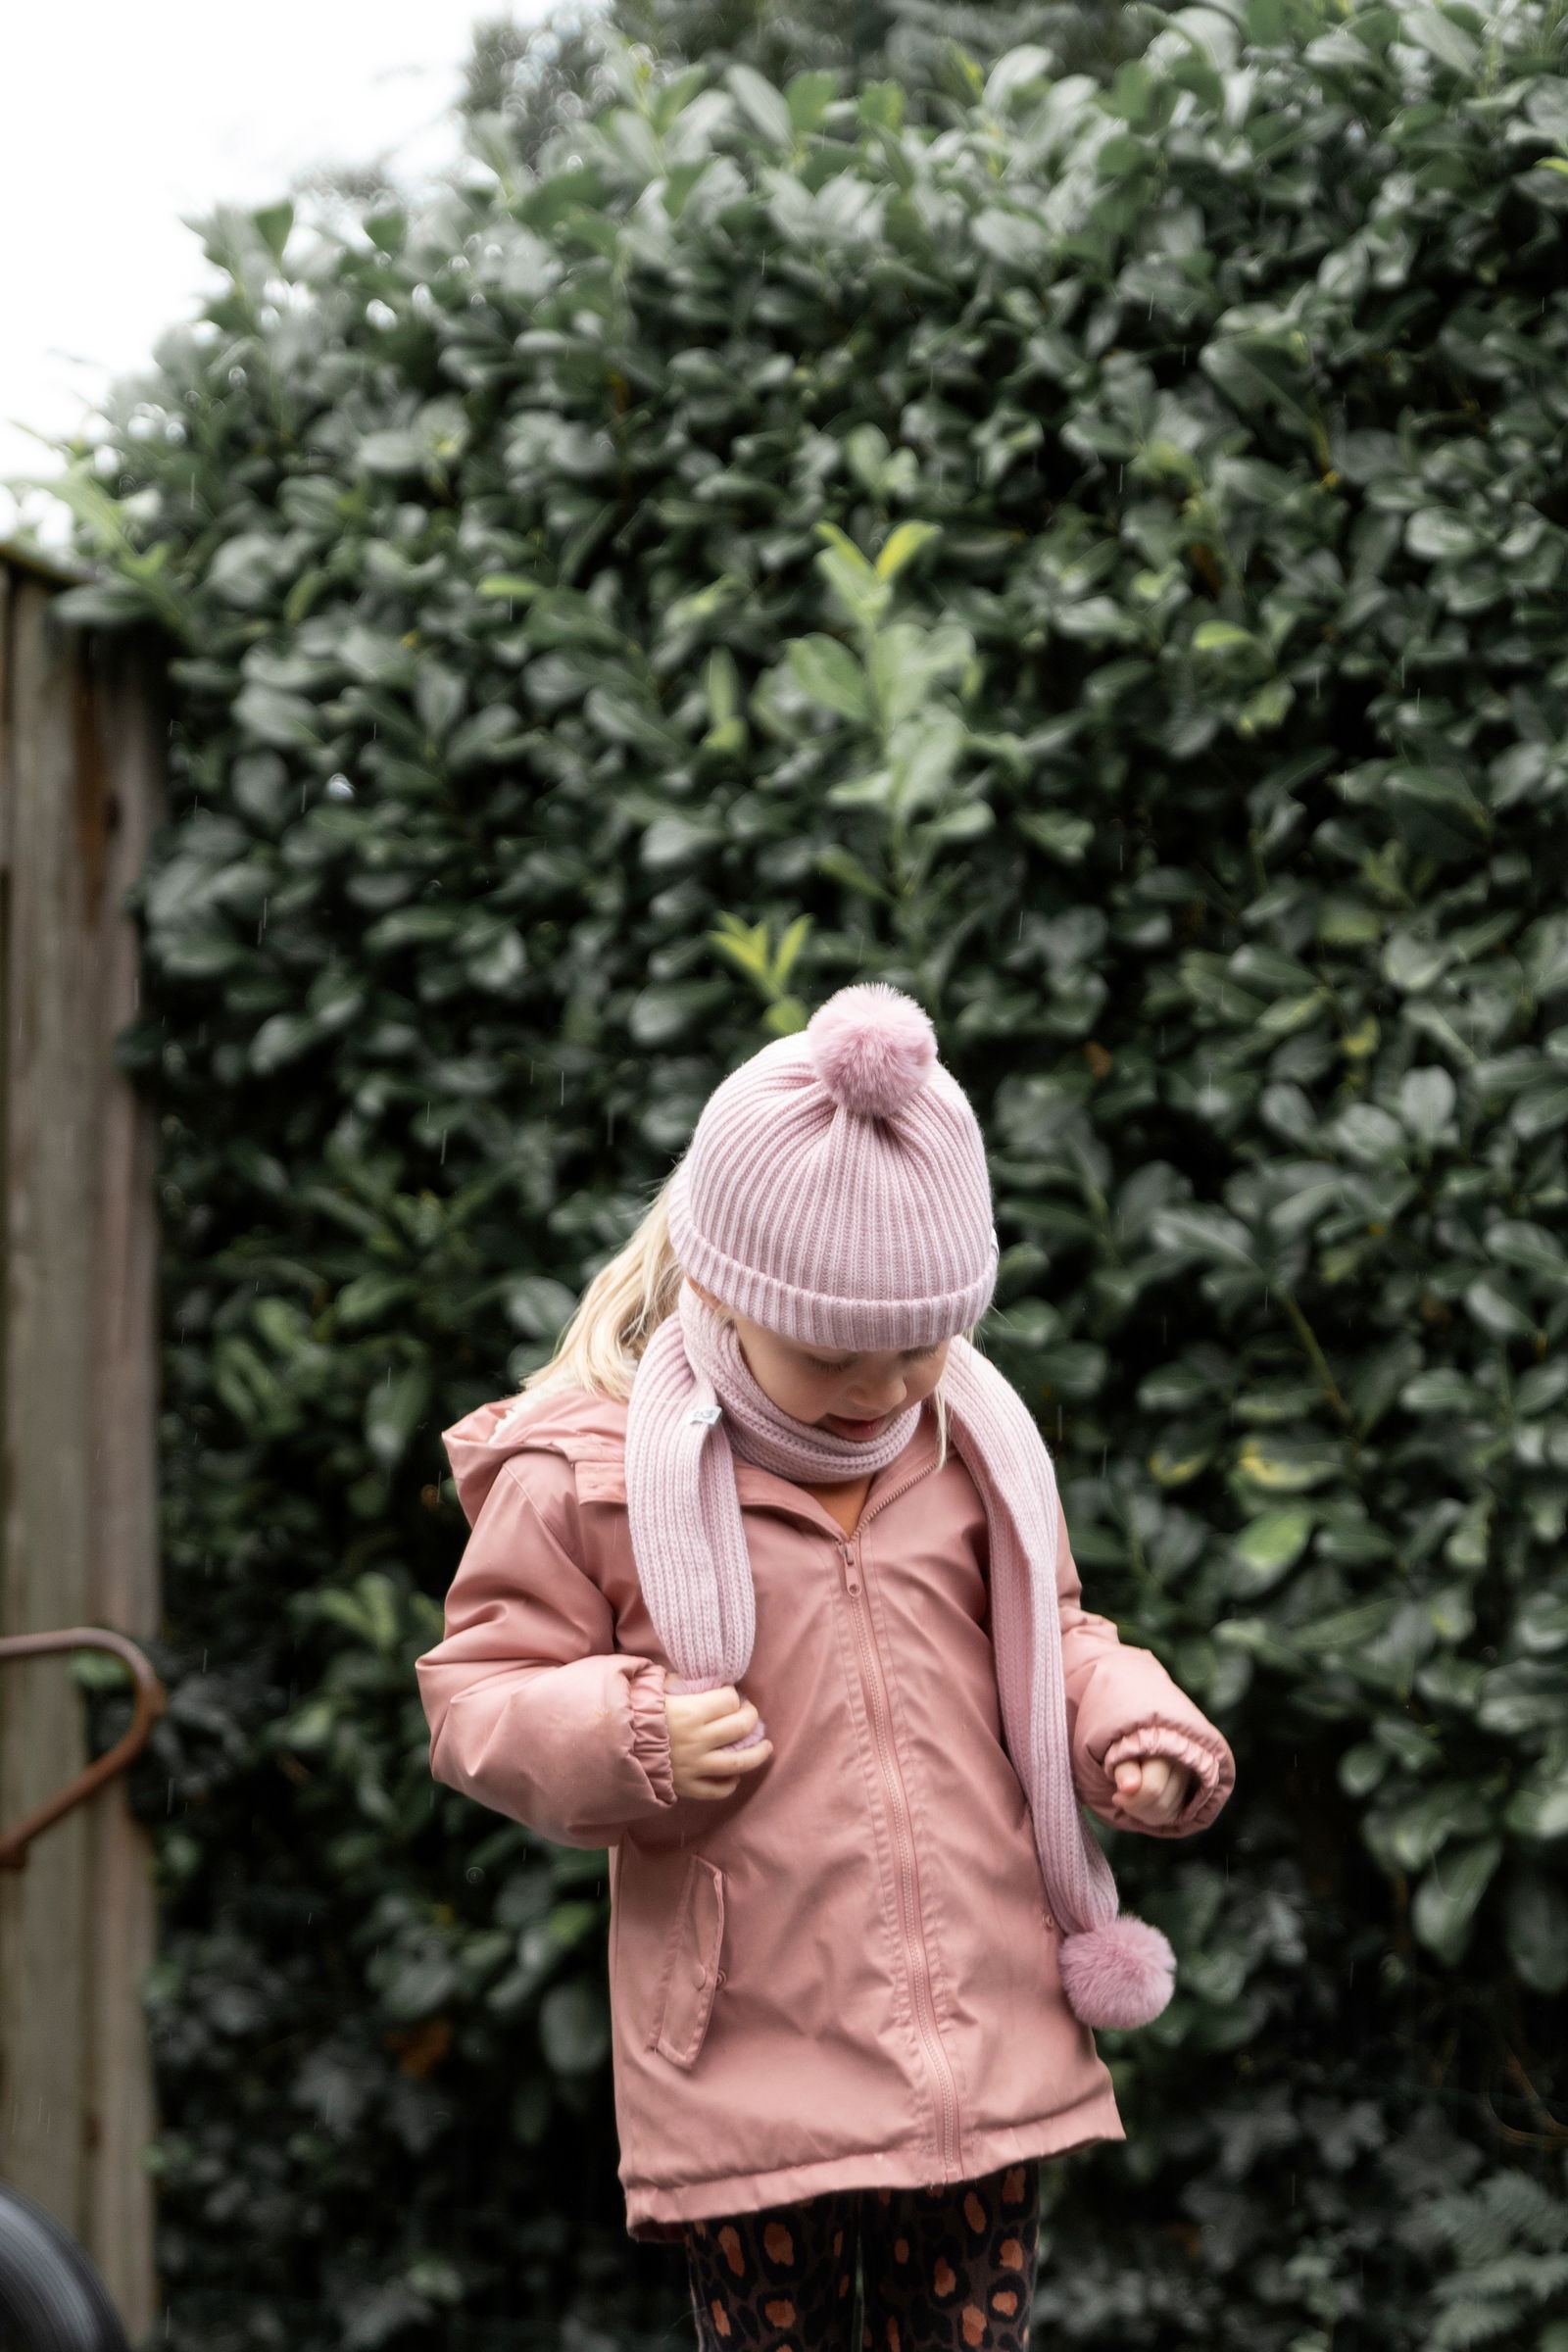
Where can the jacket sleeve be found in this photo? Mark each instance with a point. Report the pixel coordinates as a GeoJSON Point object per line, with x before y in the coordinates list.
{"type": "Point", "coordinates": [1121, 1705]}
{"type": "Point", "coordinates": [531, 1709]}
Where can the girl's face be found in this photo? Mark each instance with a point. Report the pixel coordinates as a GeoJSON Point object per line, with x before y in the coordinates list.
{"type": "Point", "coordinates": [853, 1396]}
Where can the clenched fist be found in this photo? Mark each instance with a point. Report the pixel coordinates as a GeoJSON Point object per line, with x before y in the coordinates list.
{"type": "Point", "coordinates": [1154, 1790]}
{"type": "Point", "coordinates": [699, 1723]}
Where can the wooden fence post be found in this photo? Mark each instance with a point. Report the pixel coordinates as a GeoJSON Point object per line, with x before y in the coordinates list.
{"type": "Point", "coordinates": [81, 746]}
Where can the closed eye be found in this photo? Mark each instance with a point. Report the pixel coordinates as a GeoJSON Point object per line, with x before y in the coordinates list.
{"type": "Point", "coordinates": [911, 1355]}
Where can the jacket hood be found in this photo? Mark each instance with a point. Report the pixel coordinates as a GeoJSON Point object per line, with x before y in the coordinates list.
{"type": "Point", "coordinates": [569, 1421]}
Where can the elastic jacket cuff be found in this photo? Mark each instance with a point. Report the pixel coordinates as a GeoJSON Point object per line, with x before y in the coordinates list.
{"type": "Point", "coordinates": [650, 1730]}
{"type": "Point", "coordinates": [1213, 1770]}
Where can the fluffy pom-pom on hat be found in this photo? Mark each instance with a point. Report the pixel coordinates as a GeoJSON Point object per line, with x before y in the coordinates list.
{"type": "Point", "coordinates": [872, 1048]}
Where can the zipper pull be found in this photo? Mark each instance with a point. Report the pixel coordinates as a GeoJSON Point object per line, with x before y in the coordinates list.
{"type": "Point", "coordinates": [852, 1583]}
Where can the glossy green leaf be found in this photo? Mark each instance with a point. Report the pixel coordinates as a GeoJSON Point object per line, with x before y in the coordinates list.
{"type": "Point", "coordinates": [1537, 1918]}
{"type": "Point", "coordinates": [1444, 1909]}
{"type": "Point", "coordinates": [393, 1412]}
{"type": "Point", "coordinates": [1267, 1549]}
{"type": "Point", "coordinates": [826, 670]}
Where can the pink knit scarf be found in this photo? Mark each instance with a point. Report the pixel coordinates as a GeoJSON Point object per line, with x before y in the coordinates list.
{"type": "Point", "coordinates": [695, 1405]}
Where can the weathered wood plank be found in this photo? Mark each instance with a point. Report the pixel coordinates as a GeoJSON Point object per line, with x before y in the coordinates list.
{"type": "Point", "coordinates": [79, 767]}
{"type": "Point", "coordinates": [45, 1573]}
{"type": "Point", "coordinates": [122, 2118]}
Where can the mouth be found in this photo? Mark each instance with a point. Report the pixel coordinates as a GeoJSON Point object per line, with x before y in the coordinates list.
{"type": "Point", "coordinates": [842, 1428]}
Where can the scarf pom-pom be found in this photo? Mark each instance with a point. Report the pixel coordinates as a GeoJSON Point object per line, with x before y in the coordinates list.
{"type": "Point", "coordinates": [872, 1048]}
{"type": "Point", "coordinates": [1123, 1973]}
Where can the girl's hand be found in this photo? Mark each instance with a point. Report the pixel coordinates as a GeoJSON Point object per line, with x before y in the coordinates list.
{"type": "Point", "coordinates": [1153, 1789]}
{"type": "Point", "coordinates": [699, 1724]}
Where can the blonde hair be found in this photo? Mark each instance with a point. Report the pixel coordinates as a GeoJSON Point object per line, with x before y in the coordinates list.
{"type": "Point", "coordinates": [620, 1310]}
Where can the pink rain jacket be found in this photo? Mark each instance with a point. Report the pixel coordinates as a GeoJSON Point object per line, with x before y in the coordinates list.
{"type": "Point", "coordinates": [844, 1976]}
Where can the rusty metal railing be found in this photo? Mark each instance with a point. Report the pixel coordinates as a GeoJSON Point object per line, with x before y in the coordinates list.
{"type": "Point", "coordinates": [51, 2297]}
{"type": "Point", "coordinates": [151, 1699]}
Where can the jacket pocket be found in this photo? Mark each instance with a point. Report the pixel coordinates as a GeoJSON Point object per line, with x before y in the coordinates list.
{"type": "Point", "coordinates": [690, 1975]}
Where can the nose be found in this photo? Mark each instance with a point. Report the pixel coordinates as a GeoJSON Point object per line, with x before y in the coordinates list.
{"type": "Point", "coordinates": [877, 1397]}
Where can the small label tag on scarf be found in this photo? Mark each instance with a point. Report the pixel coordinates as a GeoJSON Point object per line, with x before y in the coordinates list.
{"type": "Point", "coordinates": [706, 1415]}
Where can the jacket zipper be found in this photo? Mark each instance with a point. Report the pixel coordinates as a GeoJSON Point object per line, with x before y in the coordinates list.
{"type": "Point", "coordinates": [916, 1957]}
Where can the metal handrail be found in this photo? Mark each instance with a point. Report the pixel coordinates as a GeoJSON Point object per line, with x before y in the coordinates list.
{"type": "Point", "coordinates": [151, 1699]}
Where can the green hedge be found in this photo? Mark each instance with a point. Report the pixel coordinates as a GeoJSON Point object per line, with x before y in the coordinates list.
{"type": "Point", "coordinates": [1097, 560]}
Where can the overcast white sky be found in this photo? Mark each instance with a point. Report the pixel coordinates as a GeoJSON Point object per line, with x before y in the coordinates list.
{"type": "Point", "coordinates": [118, 116]}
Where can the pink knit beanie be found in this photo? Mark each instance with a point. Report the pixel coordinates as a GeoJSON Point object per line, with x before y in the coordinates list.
{"type": "Point", "coordinates": [836, 1188]}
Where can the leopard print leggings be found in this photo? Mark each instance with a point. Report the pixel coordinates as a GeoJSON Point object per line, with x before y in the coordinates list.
{"type": "Point", "coordinates": [941, 2270]}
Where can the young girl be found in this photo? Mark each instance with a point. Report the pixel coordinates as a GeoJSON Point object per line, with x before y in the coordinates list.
{"type": "Point", "coordinates": [855, 1949]}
